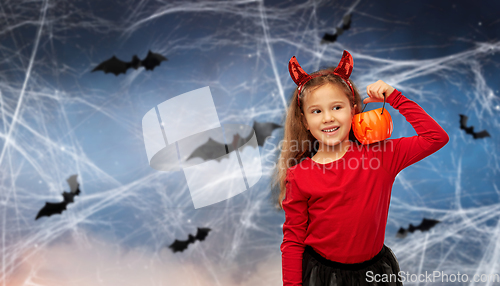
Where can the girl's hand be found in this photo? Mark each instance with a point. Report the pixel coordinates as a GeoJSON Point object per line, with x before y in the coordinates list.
{"type": "Point", "coordinates": [376, 92]}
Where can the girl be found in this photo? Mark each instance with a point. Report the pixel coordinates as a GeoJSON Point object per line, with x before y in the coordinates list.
{"type": "Point", "coordinates": [336, 192]}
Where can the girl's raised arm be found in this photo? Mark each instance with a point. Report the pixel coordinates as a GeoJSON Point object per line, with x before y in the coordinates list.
{"type": "Point", "coordinates": [402, 152]}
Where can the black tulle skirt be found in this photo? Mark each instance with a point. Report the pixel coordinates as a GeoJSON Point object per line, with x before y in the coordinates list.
{"type": "Point", "coordinates": [319, 271]}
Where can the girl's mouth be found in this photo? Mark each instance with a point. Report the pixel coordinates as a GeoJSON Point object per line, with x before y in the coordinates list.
{"type": "Point", "coordinates": [331, 131]}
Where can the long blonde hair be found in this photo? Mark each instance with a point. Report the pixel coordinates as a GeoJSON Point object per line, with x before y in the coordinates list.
{"type": "Point", "coordinates": [298, 143]}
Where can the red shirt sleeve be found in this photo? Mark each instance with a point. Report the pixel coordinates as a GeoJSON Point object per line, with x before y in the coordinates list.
{"type": "Point", "coordinates": [294, 232]}
{"type": "Point", "coordinates": [405, 151]}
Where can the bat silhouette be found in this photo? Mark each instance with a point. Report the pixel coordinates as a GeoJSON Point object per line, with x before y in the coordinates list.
{"type": "Point", "coordinates": [346, 24]}
{"type": "Point", "coordinates": [425, 225]}
{"type": "Point", "coordinates": [181, 245]}
{"type": "Point", "coordinates": [262, 131]}
{"type": "Point", "coordinates": [215, 150]}
{"type": "Point", "coordinates": [57, 208]}
{"type": "Point", "coordinates": [470, 130]}
{"type": "Point", "coordinates": [117, 66]}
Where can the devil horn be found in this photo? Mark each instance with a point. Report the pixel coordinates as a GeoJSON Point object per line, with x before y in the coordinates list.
{"type": "Point", "coordinates": [344, 69]}
{"type": "Point", "coordinates": [298, 75]}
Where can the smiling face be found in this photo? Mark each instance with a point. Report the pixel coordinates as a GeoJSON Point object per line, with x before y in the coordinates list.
{"type": "Point", "coordinates": [326, 108]}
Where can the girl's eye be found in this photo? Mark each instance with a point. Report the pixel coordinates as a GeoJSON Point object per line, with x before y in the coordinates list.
{"type": "Point", "coordinates": [339, 107]}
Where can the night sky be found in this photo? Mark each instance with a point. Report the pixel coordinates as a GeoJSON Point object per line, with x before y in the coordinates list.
{"type": "Point", "coordinates": [59, 119]}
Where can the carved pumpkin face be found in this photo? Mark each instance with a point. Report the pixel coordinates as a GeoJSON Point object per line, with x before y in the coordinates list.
{"type": "Point", "coordinates": [372, 126]}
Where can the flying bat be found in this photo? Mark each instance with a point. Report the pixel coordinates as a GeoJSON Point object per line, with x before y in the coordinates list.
{"type": "Point", "coordinates": [57, 208]}
{"type": "Point", "coordinates": [215, 150]}
{"type": "Point", "coordinates": [470, 130]}
{"type": "Point", "coordinates": [117, 66]}
{"type": "Point", "coordinates": [346, 24]}
{"type": "Point", "coordinates": [210, 150]}
{"type": "Point", "coordinates": [262, 131]}
{"type": "Point", "coordinates": [425, 225]}
{"type": "Point", "coordinates": [181, 245]}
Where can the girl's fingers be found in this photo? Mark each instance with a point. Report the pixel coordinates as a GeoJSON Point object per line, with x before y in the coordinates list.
{"type": "Point", "coordinates": [368, 90]}
{"type": "Point", "coordinates": [380, 91]}
{"type": "Point", "coordinates": [372, 90]}
{"type": "Point", "coordinates": [377, 92]}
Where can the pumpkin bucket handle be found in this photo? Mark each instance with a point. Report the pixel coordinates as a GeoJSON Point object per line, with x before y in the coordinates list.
{"type": "Point", "coordinates": [383, 106]}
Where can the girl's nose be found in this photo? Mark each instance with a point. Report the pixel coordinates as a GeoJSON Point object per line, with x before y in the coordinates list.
{"type": "Point", "coordinates": [328, 117]}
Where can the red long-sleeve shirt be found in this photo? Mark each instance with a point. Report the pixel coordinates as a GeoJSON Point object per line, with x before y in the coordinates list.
{"type": "Point", "coordinates": [340, 208]}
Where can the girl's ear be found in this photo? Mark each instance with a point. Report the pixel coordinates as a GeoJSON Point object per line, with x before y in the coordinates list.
{"type": "Point", "coordinates": [353, 110]}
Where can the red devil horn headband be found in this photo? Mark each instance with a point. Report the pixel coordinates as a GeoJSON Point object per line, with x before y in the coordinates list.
{"type": "Point", "coordinates": [300, 77]}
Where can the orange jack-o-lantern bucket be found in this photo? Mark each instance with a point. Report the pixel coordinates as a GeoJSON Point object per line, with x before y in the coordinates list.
{"type": "Point", "coordinates": [372, 126]}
